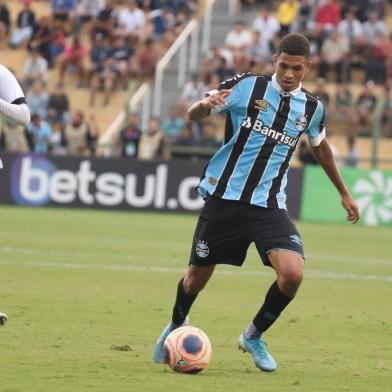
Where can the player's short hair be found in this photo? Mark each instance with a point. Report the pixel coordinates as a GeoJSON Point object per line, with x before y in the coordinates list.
{"type": "Point", "coordinates": [294, 45]}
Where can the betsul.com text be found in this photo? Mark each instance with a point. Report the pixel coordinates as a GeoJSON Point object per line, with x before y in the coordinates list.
{"type": "Point", "coordinates": [38, 181]}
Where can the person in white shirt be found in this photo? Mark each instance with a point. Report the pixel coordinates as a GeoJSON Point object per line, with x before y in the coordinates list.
{"type": "Point", "coordinates": [267, 25]}
{"type": "Point", "coordinates": [13, 108]}
{"type": "Point", "coordinates": [131, 21]}
{"type": "Point", "coordinates": [238, 39]}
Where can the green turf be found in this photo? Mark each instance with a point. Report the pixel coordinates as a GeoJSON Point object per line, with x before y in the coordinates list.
{"type": "Point", "coordinates": [74, 284]}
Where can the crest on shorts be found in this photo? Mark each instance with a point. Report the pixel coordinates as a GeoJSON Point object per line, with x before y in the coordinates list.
{"type": "Point", "coordinates": [262, 105]}
{"type": "Point", "coordinates": [296, 238]}
{"type": "Point", "coordinates": [300, 123]}
{"type": "Point", "coordinates": [202, 249]}
{"type": "Point", "coordinates": [212, 181]}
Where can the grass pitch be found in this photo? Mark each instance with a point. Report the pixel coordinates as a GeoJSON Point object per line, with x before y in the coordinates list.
{"type": "Point", "coordinates": [80, 285]}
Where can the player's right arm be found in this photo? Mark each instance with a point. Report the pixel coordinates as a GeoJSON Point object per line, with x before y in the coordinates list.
{"type": "Point", "coordinates": [202, 109]}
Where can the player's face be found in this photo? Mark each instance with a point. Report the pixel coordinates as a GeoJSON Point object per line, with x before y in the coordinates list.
{"type": "Point", "coordinates": [290, 70]}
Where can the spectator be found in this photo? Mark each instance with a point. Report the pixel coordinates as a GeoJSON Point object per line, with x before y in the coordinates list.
{"type": "Point", "coordinates": [57, 145]}
{"type": "Point", "coordinates": [378, 60]}
{"type": "Point", "coordinates": [39, 132]}
{"type": "Point", "coordinates": [335, 55]}
{"type": "Point", "coordinates": [35, 69]}
{"type": "Point", "coordinates": [353, 154]}
{"type": "Point", "coordinates": [224, 71]}
{"type": "Point", "coordinates": [56, 42]}
{"type": "Point", "coordinates": [261, 48]}
{"type": "Point", "coordinates": [172, 125]}
{"type": "Point", "coordinates": [12, 136]}
{"type": "Point", "coordinates": [104, 24]}
{"type": "Point", "coordinates": [152, 143]}
{"type": "Point", "coordinates": [121, 60]}
{"type": "Point", "coordinates": [267, 25]}
{"type": "Point", "coordinates": [131, 22]}
{"type": "Point", "coordinates": [239, 39]}
{"type": "Point", "coordinates": [5, 22]}
{"type": "Point", "coordinates": [129, 137]}
{"type": "Point", "coordinates": [37, 100]}
{"type": "Point", "coordinates": [24, 26]}
{"type": "Point", "coordinates": [351, 28]}
{"type": "Point", "coordinates": [41, 37]}
{"type": "Point", "coordinates": [386, 117]}
{"type": "Point", "coordinates": [192, 92]}
{"type": "Point", "coordinates": [146, 60]}
{"type": "Point", "coordinates": [287, 12]}
{"type": "Point", "coordinates": [87, 10]}
{"type": "Point", "coordinates": [74, 56]}
{"type": "Point", "coordinates": [63, 10]}
{"type": "Point", "coordinates": [365, 109]}
{"type": "Point", "coordinates": [305, 20]}
{"type": "Point", "coordinates": [79, 136]}
{"type": "Point", "coordinates": [328, 15]}
{"type": "Point", "coordinates": [58, 108]}
{"type": "Point", "coordinates": [374, 27]}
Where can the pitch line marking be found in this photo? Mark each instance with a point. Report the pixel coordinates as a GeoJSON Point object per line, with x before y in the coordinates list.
{"type": "Point", "coordinates": [322, 257]}
{"type": "Point", "coordinates": [316, 274]}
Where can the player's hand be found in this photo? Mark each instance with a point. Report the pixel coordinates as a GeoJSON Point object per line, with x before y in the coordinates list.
{"type": "Point", "coordinates": [351, 207]}
{"type": "Point", "coordinates": [217, 100]}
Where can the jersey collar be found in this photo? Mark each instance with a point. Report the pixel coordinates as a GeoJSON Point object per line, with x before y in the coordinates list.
{"type": "Point", "coordinates": [276, 85]}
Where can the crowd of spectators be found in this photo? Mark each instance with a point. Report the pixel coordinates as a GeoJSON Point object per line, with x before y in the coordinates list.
{"type": "Point", "coordinates": [351, 49]}
{"type": "Point", "coordinates": [106, 44]}
{"type": "Point", "coordinates": [103, 43]}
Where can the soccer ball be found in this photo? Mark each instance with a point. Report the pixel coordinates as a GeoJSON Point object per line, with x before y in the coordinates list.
{"type": "Point", "coordinates": [188, 350]}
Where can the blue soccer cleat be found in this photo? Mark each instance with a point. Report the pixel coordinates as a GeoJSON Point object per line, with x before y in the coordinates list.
{"type": "Point", "coordinates": [3, 318]}
{"type": "Point", "coordinates": [261, 357]}
{"type": "Point", "coordinates": [159, 351]}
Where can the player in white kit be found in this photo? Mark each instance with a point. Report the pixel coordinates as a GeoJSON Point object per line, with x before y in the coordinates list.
{"type": "Point", "coordinates": [14, 109]}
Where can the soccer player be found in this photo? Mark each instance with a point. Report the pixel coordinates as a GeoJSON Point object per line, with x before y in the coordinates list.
{"type": "Point", "coordinates": [13, 109]}
{"type": "Point", "coordinates": [244, 188]}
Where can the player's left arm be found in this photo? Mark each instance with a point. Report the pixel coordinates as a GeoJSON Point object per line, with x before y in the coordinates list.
{"type": "Point", "coordinates": [323, 153]}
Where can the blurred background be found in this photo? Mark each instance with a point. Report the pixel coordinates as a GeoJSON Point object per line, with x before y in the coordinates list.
{"type": "Point", "coordinates": [113, 79]}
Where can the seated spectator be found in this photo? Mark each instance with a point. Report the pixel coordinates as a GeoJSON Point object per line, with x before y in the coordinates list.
{"type": "Point", "coordinates": [121, 54]}
{"type": "Point", "coordinates": [192, 92]}
{"type": "Point", "coordinates": [41, 37]}
{"type": "Point", "coordinates": [131, 21]}
{"type": "Point", "coordinates": [267, 25]}
{"type": "Point", "coordinates": [103, 24]}
{"type": "Point", "coordinates": [287, 12]}
{"type": "Point", "coordinates": [63, 10]}
{"type": "Point", "coordinates": [153, 143]}
{"type": "Point", "coordinates": [39, 133]}
{"type": "Point", "coordinates": [129, 137]}
{"type": "Point", "coordinates": [58, 108]}
{"type": "Point", "coordinates": [172, 125]}
{"type": "Point", "coordinates": [74, 56]}
{"type": "Point", "coordinates": [351, 28]}
{"type": "Point", "coordinates": [238, 40]}
{"type": "Point", "coordinates": [12, 136]}
{"type": "Point", "coordinates": [37, 100]}
{"type": "Point", "coordinates": [261, 49]}
{"type": "Point", "coordinates": [378, 60]}
{"type": "Point", "coordinates": [57, 145]}
{"type": "Point", "coordinates": [146, 60]}
{"type": "Point", "coordinates": [5, 22]}
{"type": "Point", "coordinates": [353, 154]}
{"type": "Point", "coordinates": [335, 55]}
{"type": "Point", "coordinates": [87, 10]}
{"type": "Point", "coordinates": [24, 26]}
{"type": "Point", "coordinates": [56, 42]}
{"type": "Point", "coordinates": [328, 15]}
{"type": "Point", "coordinates": [160, 20]}
{"type": "Point", "coordinates": [365, 109]}
{"type": "Point", "coordinates": [374, 27]}
{"type": "Point", "coordinates": [35, 69]}
{"type": "Point", "coordinates": [79, 136]}
{"type": "Point", "coordinates": [305, 155]}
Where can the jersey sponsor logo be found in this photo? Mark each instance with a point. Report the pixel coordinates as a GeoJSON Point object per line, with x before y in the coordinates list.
{"type": "Point", "coordinates": [202, 249]}
{"type": "Point", "coordinates": [262, 105]}
{"type": "Point", "coordinates": [300, 123]}
{"type": "Point", "coordinates": [296, 238]}
{"type": "Point", "coordinates": [259, 127]}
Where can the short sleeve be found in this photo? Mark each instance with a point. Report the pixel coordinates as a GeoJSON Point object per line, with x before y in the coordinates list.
{"type": "Point", "coordinates": [10, 89]}
{"type": "Point", "coordinates": [316, 130]}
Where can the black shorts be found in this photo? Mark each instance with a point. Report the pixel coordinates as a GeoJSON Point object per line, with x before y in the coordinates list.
{"type": "Point", "coordinates": [226, 229]}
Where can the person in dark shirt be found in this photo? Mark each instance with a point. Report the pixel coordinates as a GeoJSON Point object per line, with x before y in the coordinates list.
{"type": "Point", "coordinates": [58, 107]}
{"type": "Point", "coordinates": [130, 136]}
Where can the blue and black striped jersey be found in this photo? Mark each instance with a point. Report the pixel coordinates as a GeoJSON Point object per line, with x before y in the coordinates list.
{"type": "Point", "coordinates": [263, 126]}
